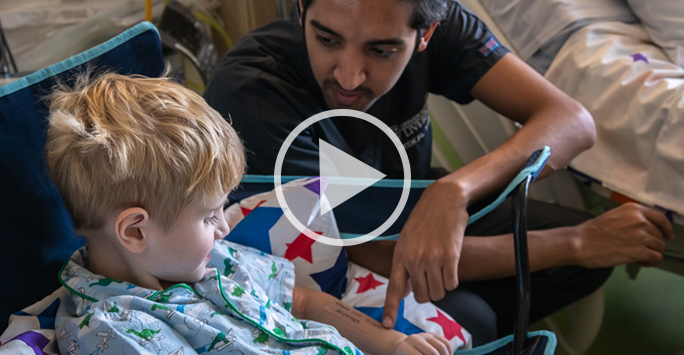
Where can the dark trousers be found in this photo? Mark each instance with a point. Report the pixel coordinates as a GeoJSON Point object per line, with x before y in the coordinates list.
{"type": "Point", "coordinates": [487, 308]}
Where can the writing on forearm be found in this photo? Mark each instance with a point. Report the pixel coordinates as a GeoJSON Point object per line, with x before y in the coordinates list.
{"type": "Point", "coordinates": [351, 315]}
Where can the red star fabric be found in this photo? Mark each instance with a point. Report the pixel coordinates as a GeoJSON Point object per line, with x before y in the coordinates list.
{"type": "Point", "coordinates": [367, 282]}
{"type": "Point", "coordinates": [246, 211]}
{"type": "Point", "coordinates": [300, 247]}
{"type": "Point", "coordinates": [449, 327]}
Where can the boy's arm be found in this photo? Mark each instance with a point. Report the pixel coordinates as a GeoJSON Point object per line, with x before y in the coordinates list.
{"type": "Point", "coordinates": [97, 330]}
{"type": "Point", "coordinates": [366, 333]}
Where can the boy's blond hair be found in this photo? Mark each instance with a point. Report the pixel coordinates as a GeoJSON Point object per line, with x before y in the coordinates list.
{"type": "Point", "coordinates": [117, 141]}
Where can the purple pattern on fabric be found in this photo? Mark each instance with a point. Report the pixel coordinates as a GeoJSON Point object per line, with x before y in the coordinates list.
{"type": "Point", "coordinates": [668, 213]}
{"type": "Point", "coordinates": [317, 186]}
{"type": "Point", "coordinates": [638, 56]}
{"type": "Point", "coordinates": [35, 340]}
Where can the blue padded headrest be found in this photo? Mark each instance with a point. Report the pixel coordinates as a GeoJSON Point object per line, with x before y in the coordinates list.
{"type": "Point", "coordinates": [36, 236]}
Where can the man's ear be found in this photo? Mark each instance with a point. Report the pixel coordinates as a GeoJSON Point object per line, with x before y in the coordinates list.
{"type": "Point", "coordinates": [130, 227]}
{"type": "Point", "coordinates": [425, 36]}
{"type": "Point", "coordinates": [301, 13]}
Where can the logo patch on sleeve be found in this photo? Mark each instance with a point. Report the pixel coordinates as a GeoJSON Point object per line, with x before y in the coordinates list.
{"type": "Point", "coordinates": [489, 47]}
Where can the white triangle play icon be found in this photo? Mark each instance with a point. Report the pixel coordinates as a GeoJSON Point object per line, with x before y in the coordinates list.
{"type": "Point", "coordinates": [346, 175]}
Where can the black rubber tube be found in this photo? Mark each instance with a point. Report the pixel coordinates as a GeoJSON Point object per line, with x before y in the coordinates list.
{"type": "Point", "coordinates": [522, 268]}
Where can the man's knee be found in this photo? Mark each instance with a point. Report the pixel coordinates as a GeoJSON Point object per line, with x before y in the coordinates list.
{"type": "Point", "coordinates": [472, 313]}
{"type": "Point", "coordinates": [556, 288]}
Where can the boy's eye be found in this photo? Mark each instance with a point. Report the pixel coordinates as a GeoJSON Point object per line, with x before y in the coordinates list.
{"type": "Point", "coordinates": [213, 220]}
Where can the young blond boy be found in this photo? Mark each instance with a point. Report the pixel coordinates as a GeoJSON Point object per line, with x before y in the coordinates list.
{"type": "Point", "coordinates": [145, 167]}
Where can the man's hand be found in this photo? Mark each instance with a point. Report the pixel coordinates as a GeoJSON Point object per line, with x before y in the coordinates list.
{"type": "Point", "coordinates": [424, 343]}
{"type": "Point", "coordinates": [626, 234]}
{"type": "Point", "coordinates": [428, 249]}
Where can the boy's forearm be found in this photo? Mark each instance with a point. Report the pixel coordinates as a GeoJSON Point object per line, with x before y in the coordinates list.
{"type": "Point", "coordinates": [366, 333]}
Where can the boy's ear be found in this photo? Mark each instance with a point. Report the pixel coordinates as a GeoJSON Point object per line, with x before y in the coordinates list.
{"type": "Point", "coordinates": [130, 227]}
{"type": "Point", "coordinates": [425, 37]}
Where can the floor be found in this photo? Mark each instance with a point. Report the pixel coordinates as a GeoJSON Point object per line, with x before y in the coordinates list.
{"type": "Point", "coordinates": [642, 316]}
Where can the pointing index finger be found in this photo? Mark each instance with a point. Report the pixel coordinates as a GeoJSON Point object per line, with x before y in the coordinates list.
{"type": "Point", "coordinates": [395, 292]}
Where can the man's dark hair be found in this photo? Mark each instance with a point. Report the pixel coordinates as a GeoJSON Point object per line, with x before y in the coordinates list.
{"type": "Point", "coordinates": [425, 12]}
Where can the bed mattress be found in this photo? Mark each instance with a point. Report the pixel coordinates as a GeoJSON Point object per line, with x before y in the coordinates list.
{"type": "Point", "coordinates": [636, 95]}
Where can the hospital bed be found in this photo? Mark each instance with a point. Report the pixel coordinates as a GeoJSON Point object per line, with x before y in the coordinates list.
{"type": "Point", "coordinates": [593, 57]}
{"type": "Point", "coordinates": [599, 53]}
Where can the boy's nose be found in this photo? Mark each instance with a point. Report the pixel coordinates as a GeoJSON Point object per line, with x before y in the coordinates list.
{"type": "Point", "coordinates": [223, 228]}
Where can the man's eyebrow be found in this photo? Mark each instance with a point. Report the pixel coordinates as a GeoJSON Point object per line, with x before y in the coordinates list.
{"type": "Point", "coordinates": [388, 42]}
{"type": "Point", "coordinates": [324, 28]}
{"type": "Point", "coordinates": [380, 42]}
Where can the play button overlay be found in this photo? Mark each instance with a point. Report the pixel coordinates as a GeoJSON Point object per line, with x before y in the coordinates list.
{"type": "Point", "coordinates": [344, 175]}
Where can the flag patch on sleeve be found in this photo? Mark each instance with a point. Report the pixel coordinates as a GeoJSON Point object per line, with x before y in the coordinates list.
{"type": "Point", "coordinates": [489, 47]}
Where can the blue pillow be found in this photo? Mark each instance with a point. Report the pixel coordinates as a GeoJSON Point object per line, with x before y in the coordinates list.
{"type": "Point", "coordinates": [36, 234]}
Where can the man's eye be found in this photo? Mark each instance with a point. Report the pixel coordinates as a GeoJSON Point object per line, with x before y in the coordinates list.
{"type": "Point", "coordinates": [381, 53]}
{"type": "Point", "coordinates": [327, 41]}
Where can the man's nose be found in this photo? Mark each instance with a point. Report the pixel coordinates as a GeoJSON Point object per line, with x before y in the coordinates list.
{"type": "Point", "coordinates": [350, 71]}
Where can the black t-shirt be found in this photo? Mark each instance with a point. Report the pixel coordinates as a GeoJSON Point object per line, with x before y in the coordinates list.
{"type": "Point", "coordinates": [266, 86]}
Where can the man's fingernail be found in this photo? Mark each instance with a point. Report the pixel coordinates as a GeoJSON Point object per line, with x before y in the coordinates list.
{"type": "Point", "coordinates": [387, 322]}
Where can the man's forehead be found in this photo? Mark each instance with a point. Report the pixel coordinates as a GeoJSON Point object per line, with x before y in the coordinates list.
{"type": "Point", "coordinates": [363, 19]}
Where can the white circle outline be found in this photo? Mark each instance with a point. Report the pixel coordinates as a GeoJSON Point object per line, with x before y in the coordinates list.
{"type": "Point", "coordinates": [279, 168]}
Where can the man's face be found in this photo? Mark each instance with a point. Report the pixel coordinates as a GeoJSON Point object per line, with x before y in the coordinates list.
{"type": "Point", "coordinates": [358, 48]}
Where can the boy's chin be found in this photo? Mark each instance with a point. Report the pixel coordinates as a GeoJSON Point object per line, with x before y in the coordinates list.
{"type": "Point", "coordinates": [200, 275]}
{"type": "Point", "coordinates": [191, 279]}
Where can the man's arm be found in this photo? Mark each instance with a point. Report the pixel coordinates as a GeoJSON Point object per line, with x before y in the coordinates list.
{"type": "Point", "coordinates": [428, 251]}
{"type": "Point", "coordinates": [629, 233]}
{"type": "Point", "coordinates": [549, 117]}
{"type": "Point", "coordinates": [362, 330]}
{"type": "Point", "coordinates": [429, 246]}
{"type": "Point", "coordinates": [626, 234]}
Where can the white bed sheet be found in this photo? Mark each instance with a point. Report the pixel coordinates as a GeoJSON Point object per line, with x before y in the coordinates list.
{"type": "Point", "coordinates": [530, 24]}
{"type": "Point", "coordinates": [636, 95]}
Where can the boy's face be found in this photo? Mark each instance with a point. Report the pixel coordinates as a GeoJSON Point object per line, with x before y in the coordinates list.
{"type": "Point", "coordinates": [181, 254]}
{"type": "Point", "coordinates": [358, 49]}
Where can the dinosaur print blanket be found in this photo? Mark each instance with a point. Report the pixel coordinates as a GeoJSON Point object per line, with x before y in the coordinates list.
{"type": "Point", "coordinates": [241, 306]}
